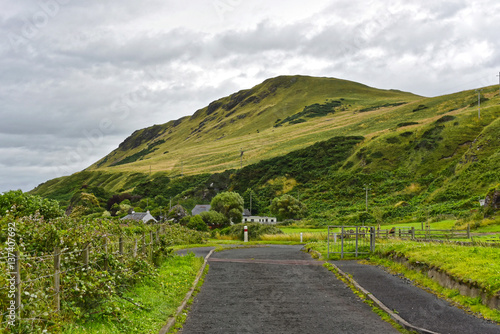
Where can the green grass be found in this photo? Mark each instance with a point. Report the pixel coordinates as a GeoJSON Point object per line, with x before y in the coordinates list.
{"type": "Point", "coordinates": [480, 265]}
{"type": "Point", "coordinates": [295, 230]}
{"type": "Point", "coordinates": [159, 298]}
{"type": "Point", "coordinates": [477, 264]}
{"type": "Point", "coordinates": [469, 304]}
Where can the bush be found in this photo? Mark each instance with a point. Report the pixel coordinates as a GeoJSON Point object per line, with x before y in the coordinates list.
{"type": "Point", "coordinates": [197, 223]}
{"type": "Point", "coordinates": [214, 219]}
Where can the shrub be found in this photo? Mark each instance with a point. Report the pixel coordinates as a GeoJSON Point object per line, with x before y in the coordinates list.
{"type": "Point", "coordinates": [197, 223]}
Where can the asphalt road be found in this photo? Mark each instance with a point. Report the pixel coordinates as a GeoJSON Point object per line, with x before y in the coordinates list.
{"type": "Point", "coordinates": [277, 289]}
{"type": "Point", "coordinates": [418, 307]}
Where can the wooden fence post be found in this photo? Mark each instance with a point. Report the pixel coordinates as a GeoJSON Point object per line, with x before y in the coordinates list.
{"type": "Point", "coordinates": [468, 231]}
{"type": "Point", "coordinates": [120, 245]}
{"type": "Point", "coordinates": [105, 253]}
{"type": "Point", "coordinates": [17, 271]}
{"type": "Point", "coordinates": [143, 243]}
{"type": "Point", "coordinates": [413, 232]}
{"type": "Point", "coordinates": [151, 245]}
{"type": "Point", "coordinates": [57, 278]}
{"type": "Point", "coordinates": [135, 248]}
{"type": "Point", "coordinates": [85, 256]}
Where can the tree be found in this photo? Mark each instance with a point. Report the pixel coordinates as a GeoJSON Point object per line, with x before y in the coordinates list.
{"type": "Point", "coordinates": [288, 207]}
{"type": "Point", "coordinates": [230, 204]}
{"type": "Point", "coordinates": [197, 223]}
{"type": "Point", "coordinates": [214, 219]}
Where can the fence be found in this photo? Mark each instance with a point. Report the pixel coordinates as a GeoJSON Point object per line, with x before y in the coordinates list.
{"type": "Point", "coordinates": [426, 234]}
{"type": "Point", "coordinates": [350, 240]}
{"type": "Point", "coordinates": [35, 281]}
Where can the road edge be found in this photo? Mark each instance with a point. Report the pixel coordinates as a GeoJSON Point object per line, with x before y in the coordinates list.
{"type": "Point", "coordinates": [392, 314]}
{"type": "Point", "coordinates": [184, 303]}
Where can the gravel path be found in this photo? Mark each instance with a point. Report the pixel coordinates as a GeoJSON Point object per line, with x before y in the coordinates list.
{"type": "Point", "coordinates": [276, 289]}
{"type": "Point", "coordinates": [413, 304]}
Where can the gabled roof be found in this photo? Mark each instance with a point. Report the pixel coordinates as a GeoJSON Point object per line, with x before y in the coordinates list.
{"type": "Point", "coordinates": [199, 209]}
{"type": "Point", "coordinates": [246, 213]}
{"type": "Point", "coordinates": [139, 216]}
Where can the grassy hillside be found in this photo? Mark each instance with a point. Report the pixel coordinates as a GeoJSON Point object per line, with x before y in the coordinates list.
{"type": "Point", "coordinates": [211, 140]}
{"type": "Point", "coordinates": [318, 138]}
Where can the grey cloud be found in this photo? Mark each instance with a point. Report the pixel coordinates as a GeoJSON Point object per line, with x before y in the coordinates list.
{"type": "Point", "coordinates": [129, 65]}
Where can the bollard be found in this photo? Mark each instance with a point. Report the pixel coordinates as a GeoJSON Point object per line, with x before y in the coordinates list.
{"type": "Point", "coordinates": [301, 237]}
{"type": "Point", "coordinates": [245, 234]}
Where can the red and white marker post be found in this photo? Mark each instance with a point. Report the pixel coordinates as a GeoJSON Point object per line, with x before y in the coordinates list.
{"type": "Point", "coordinates": [245, 234]}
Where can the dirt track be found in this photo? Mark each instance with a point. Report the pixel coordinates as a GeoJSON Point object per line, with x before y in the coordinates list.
{"type": "Point", "coordinates": [277, 289]}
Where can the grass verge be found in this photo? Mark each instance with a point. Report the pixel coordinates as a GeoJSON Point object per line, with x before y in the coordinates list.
{"type": "Point", "coordinates": [146, 307]}
{"type": "Point", "coordinates": [181, 319]}
{"type": "Point", "coordinates": [471, 264]}
{"type": "Point", "coordinates": [470, 305]}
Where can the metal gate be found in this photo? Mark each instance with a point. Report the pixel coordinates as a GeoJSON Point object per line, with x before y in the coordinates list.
{"type": "Point", "coordinates": [350, 240]}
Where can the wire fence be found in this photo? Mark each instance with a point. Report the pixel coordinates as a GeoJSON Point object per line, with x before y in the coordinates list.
{"type": "Point", "coordinates": [36, 285]}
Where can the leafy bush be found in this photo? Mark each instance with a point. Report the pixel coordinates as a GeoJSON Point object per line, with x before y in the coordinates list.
{"type": "Point", "coordinates": [19, 204]}
{"type": "Point", "coordinates": [197, 223]}
{"type": "Point", "coordinates": [214, 219]}
{"type": "Point", "coordinates": [288, 207]}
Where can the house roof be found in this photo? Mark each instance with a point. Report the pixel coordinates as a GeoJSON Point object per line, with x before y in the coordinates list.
{"type": "Point", "coordinates": [138, 216]}
{"type": "Point", "coordinates": [246, 213]}
{"type": "Point", "coordinates": [199, 209]}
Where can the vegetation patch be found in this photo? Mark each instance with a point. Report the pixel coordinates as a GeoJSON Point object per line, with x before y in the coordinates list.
{"type": "Point", "coordinates": [480, 269]}
{"type": "Point", "coordinates": [401, 125]}
{"type": "Point", "coordinates": [385, 105]}
{"type": "Point", "coordinates": [139, 155]}
{"type": "Point", "coordinates": [311, 111]}
{"type": "Point", "coordinates": [148, 305]}
{"type": "Point", "coordinates": [420, 107]}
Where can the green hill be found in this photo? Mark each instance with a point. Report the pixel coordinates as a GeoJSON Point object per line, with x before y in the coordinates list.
{"type": "Point", "coordinates": [321, 138]}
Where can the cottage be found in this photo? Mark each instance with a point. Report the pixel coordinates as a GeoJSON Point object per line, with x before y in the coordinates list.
{"type": "Point", "coordinates": [261, 220]}
{"type": "Point", "coordinates": [199, 209]}
{"type": "Point", "coordinates": [145, 217]}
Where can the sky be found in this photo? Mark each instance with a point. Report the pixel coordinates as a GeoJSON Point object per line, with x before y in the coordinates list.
{"type": "Point", "coordinates": [78, 77]}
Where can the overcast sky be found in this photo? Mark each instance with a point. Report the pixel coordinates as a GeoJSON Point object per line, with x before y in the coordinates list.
{"type": "Point", "coordinates": [78, 77]}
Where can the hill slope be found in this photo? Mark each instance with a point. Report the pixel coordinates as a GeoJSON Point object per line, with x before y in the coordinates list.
{"type": "Point", "coordinates": [254, 120]}
{"type": "Point", "coordinates": [320, 138]}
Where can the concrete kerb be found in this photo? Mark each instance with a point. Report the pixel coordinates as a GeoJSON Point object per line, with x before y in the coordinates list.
{"type": "Point", "coordinates": [183, 306]}
{"type": "Point", "coordinates": [393, 315]}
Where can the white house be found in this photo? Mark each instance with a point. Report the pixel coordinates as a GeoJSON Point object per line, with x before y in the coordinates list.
{"type": "Point", "coordinates": [261, 220]}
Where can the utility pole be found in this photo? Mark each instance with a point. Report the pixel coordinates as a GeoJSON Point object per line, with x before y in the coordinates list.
{"type": "Point", "coordinates": [498, 75]}
{"type": "Point", "coordinates": [241, 158]}
{"type": "Point", "coordinates": [366, 198]}
{"type": "Point", "coordinates": [478, 91]}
